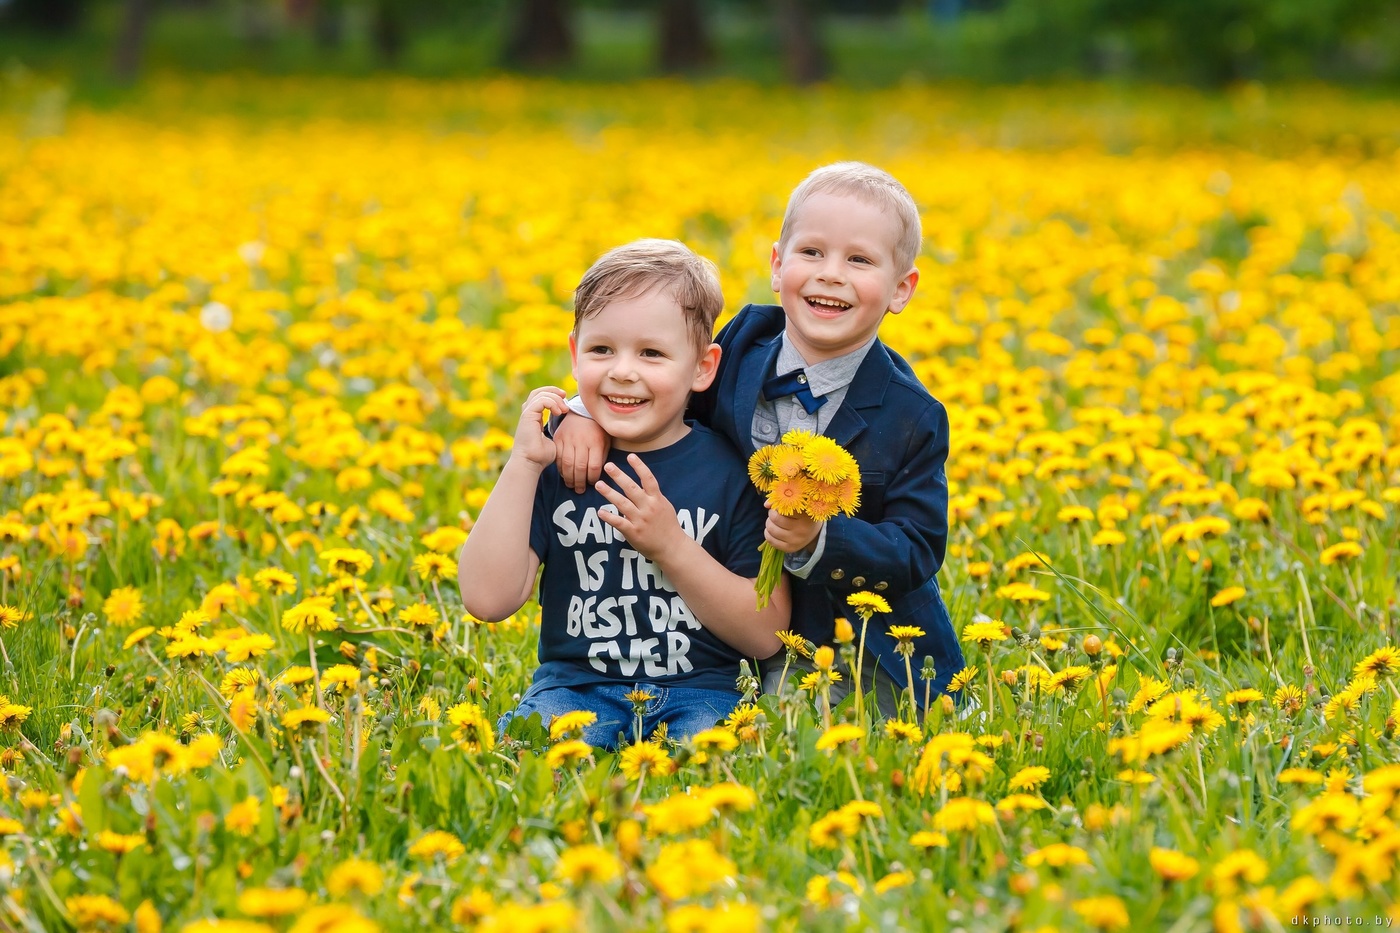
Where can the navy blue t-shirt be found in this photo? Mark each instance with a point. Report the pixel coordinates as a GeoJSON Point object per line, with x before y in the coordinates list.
{"type": "Point", "coordinates": [609, 615]}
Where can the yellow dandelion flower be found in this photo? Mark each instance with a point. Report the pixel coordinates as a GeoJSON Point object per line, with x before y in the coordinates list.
{"type": "Point", "coordinates": [827, 461]}
{"type": "Point", "coordinates": [313, 614]}
{"type": "Point", "coordinates": [355, 876]}
{"type": "Point", "coordinates": [1029, 777]}
{"type": "Point", "coordinates": [799, 438]}
{"type": "Point", "coordinates": [984, 633]}
{"type": "Point", "coordinates": [1346, 550]}
{"type": "Point", "coordinates": [1021, 593]}
{"type": "Point", "coordinates": [903, 731]}
{"type": "Point", "coordinates": [839, 735]}
{"type": "Point", "coordinates": [96, 911]}
{"type": "Point", "coordinates": [789, 495]}
{"type": "Point", "coordinates": [275, 580]}
{"type": "Point", "coordinates": [437, 844]}
{"type": "Point", "coordinates": [138, 636]}
{"type": "Point", "coordinates": [587, 863]}
{"type": "Point", "coordinates": [566, 724]}
{"type": "Point", "coordinates": [964, 814]}
{"type": "Point", "coordinates": [1381, 663]}
{"type": "Point", "coordinates": [568, 754]}
{"type": "Point", "coordinates": [761, 471]}
{"type": "Point", "coordinates": [433, 566]}
{"type": "Point", "coordinates": [787, 462]}
{"type": "Point", "coordinates": [123, 606]}
{"type": "Point", "coordinates": [645, 758]}
{"type": "Point", "coordinates": [963, 678]}
{"type": "Point", "coordinates": [1171, 865]}
{"type": "Point", "coordinates": [307, 717]}
{"type": "Point", "coordinates": [1227, 596]}
{"type": "Point", "coordinates": [1103, 913]}
{"type": "Point", "coordinates": [1057, 855]}
{"type": "Point", "coordinates": [347, 561]}
{"type": "Point", "coordinates": [272, 902]}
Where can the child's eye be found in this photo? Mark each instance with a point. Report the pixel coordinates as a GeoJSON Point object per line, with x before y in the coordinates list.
{"type": "Point", "coordinates": [600, 350]}
{"type": "Point", "coordinates": [652, 354]}
{"type": "Point", "coordinates": [860, 259]}
{"type": "Point", "coordinates": [810, 251]}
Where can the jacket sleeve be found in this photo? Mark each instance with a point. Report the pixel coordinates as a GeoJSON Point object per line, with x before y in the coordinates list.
{"type": "Point", "coordinates": [898, 549]}
{"type": "Point", "coordinates": [731, 339]}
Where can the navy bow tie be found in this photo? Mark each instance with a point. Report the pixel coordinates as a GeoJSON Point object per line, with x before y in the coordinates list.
{"type": "Point", "coordinates": [795, 384]}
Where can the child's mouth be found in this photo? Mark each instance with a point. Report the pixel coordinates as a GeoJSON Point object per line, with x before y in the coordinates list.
{"type": "Point", "coordinates": [827, 306]}
{"type": "Point", "coordinates": [624, 403]}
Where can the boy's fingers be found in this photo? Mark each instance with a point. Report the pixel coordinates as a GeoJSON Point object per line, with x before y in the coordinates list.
{"type": "Point", "coordinates": [612, 495]}
{"type": "Point", "coordinates": [593, 467]}
{"type": "Point", "coordinates": [626, 483]}
{"type": "Point", "coordinates": [613, 519]}
{"type": "Point", "coordinates": [644, 474]}
{"type": "Point", "coordinates": [568, 469]}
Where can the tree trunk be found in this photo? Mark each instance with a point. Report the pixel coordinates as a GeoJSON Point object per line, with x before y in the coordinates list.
{"type": "Point", "coordinates": [60, 17]}
{"type": "Point", "coordinates": [131, 41]}
{"type": "Point", "coordinates": [683, 41]}
{"type": "Point", "coordinates": [386, 29]}
{"type": "Point", "coordinates": [541, 35]}
{"type": "Point", "coordinates": [804, 57]}
{"type": "Point", "coordinates": [328, 24]}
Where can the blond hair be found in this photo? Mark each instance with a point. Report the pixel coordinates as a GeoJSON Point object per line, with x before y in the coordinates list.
{"type": "Point", "coordinates": [636, 268]}
{"type": "Point", "coordinates": [872, 185]}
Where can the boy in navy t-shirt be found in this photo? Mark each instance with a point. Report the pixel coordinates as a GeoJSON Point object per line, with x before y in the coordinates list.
{"type": "Point", "coordinates": [648, 581]}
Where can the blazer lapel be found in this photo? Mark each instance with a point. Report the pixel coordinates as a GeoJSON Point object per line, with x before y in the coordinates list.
{"type": "Point", "coordinates": [867, 390]}
{"type": "Point", "coordinates": [751, 379]}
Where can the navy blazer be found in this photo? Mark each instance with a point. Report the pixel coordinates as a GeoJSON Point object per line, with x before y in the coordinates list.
{"type": "Point", "coordinates": [895, 543]}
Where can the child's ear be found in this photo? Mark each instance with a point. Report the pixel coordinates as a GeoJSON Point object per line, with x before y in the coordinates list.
{"type": "Point", "coordinates": [775, 262]}
{"type": "Point", "coordinates": [904, 291]}
{"type": "Point", "coordinates": [573, 353]}
{"type": "Point", "coordinates": [705, 368]}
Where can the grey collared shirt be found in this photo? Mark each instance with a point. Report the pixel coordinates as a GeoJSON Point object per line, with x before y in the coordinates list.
{"type": "Point", "coordinates": [829, 379]}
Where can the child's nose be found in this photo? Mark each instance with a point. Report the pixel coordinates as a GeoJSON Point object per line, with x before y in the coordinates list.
{"type": "Point", "coordinates": [832, 270]}
{"type": "Point", "coordinates": [624, 368]}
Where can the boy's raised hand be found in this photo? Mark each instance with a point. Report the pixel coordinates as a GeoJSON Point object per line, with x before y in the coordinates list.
{"type": "Point", "coordinates": [580, 449]}
{"type": "Point", "coordinates": [645, 517]}
{"type": "Point", "coordinates": [531, 445]}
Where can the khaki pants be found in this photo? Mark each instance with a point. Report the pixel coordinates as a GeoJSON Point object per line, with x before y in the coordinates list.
{"type": "Point", "coordinates": [881, 692]}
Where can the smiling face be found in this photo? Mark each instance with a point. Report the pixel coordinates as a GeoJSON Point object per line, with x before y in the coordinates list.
{"type": "Point", "coordinates": [836, 275]}
{"type": "Point", "coordinates": [636, 364]}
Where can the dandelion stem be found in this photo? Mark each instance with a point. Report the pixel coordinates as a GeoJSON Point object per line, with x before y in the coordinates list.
{"type": "Point", "coordinates": [42, 877]}
{"type": "Point", "coordinates": [909, 675]}
{"type": "Point", "coordinates": [782, 678]}
{"type": "Point", "coordinates": [851, 771]}
{"type": "Point", "coordinates": [335, 788]}
{"type": "Point", "coordinates": [991, 689]}
{"type": "Point", "coordinates": [860, 663]}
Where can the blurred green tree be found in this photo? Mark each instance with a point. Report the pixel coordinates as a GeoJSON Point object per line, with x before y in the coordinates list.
{"type": "Point", "coordinates": [541, 35]}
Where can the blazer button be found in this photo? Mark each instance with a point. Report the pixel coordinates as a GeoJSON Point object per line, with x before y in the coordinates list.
{"type": "Point", "coordinates": [858, 581]}
{"type": "Point", "coordinates": [838, 574]}
{"type": "Point", "coordinates": [882, 585]}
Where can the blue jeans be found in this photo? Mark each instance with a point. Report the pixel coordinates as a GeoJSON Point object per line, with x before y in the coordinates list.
{"type": "Point", "coordinates": [684, 710]}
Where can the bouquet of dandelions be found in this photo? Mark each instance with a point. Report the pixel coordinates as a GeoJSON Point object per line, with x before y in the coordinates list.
{"type": "Point", "coordinates": [806, 474]}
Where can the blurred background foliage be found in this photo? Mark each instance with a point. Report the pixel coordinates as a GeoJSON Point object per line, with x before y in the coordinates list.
{"type": "Point", "coordinates": [1209, 43]}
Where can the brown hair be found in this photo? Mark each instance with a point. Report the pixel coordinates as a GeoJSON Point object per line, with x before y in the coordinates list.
{"type": "Point", "coordinates": [872, 185]}
{"type": "Point", "coordinates": [637, 267]}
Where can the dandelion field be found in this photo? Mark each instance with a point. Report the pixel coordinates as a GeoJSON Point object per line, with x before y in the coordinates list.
{"type": "Point", "coordinates": [261, 348]}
